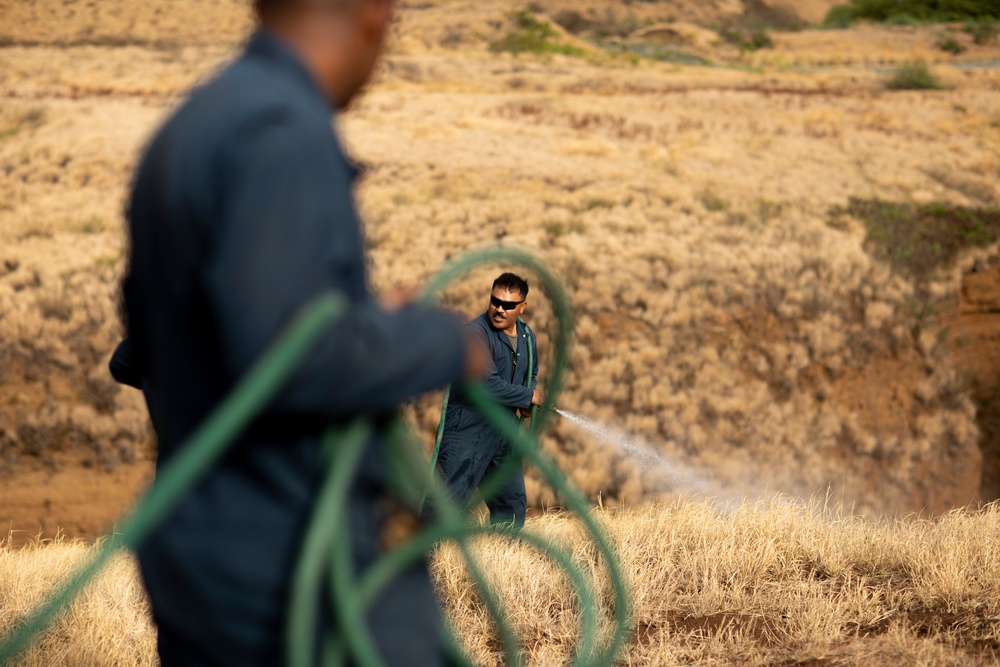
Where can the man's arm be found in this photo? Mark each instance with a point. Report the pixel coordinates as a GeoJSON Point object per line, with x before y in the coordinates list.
{"type": "Point", "coordinates": [287, 232]}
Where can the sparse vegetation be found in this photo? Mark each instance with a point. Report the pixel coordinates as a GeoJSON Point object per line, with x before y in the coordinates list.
{"type": "Point", "coordinates": [93, 225]}
{"type": "Point", "coordinates": [914, 76]}
{"type": "Point", "coordinates": [29, 119]}
{"type": "Point", "coordinates": [949, 44]}
{"type": "Point", "coordinates": [100, 391]}
{"type": "Point", "coordinates": [531, 35]}
{"type": "Point", "coordinates": [982, 31]}
{"type": "Point", "coordinates": [750, 38]}
{"type": "Point", "coordinates": [919, 240]}
{"type": "Point", "coordinates": [35, 231]}
{"type": "Point", "coordinates": [839, 17]}
{"type": "Point", "coordinates": [573, 21]}
{"type": "Point", "coordinates": [712, 201]}
{"type": "Point", "coordinates": [55, 307]}
{"type": "Point", "coordinates": [658, 52]}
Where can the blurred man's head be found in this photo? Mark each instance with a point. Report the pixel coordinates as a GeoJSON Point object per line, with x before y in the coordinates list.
{"type": "Point", "coordinates": [339, 40]}
{"type": "Point", "coordinates": [507, 302]}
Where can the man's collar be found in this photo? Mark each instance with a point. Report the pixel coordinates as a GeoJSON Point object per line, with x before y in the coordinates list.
{"type": "Point", "coordinates": [269, 46]}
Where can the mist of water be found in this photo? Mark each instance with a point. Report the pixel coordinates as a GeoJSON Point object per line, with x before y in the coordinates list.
{"type": "Point", "coordinates": [669, 473]}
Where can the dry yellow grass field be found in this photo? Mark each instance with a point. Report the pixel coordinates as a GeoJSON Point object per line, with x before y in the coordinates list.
{"type": "Point", "coordinates": [727, 320]}
{"type": "Point", "coordinates": [783, 583]}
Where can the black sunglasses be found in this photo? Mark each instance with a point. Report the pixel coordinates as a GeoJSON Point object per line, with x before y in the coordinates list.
{"type": "Point", "coordinates": [506, 305]}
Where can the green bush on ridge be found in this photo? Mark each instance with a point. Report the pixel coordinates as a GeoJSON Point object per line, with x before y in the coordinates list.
{"type": "Point", "coordinates": [908, 12]}
{"type": "Point", "coordinates": [982, 31]}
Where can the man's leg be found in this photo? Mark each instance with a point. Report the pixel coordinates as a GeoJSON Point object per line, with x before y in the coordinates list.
{"type": "Point", "coordinates": [510, 502]}
{"type": "Point", "coordinates": [462, 461]}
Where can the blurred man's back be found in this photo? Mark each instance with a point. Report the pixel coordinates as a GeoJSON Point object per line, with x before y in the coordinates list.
{"type": "Point", "coordinates": [241, 213]}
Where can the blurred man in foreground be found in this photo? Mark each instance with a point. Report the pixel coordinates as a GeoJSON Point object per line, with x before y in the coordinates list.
{"type": "Point", "coordinates": [472, 449]}
{"type": "Point", "coordinates": [241, 212]}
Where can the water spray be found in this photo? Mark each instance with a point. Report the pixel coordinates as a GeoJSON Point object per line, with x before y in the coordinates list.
{"type": "Point", "coordinates": [672, 473]}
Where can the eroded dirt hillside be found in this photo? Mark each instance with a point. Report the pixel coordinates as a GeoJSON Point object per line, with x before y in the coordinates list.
{"type": "Point", "coordinates": [725, 316]}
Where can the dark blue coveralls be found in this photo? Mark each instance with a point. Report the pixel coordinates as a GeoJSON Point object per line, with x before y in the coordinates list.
{"type": "Point", "coordinates": [470, 448]}
{"type": "Point", "coordinates": [241, 212]}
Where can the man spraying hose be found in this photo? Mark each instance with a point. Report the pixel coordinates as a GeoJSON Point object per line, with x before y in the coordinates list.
{"type": "Point", "coordinates": [241, 213]}
{"type": "Point", "coordinates": [470, 449]}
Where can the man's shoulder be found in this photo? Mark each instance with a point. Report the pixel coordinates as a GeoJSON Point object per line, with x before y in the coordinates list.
{"type": "Point", "coordinates": [263, 86]}
{"type": "Point", "coordinates": [248, 93]}
{"type": "Point", "coordinates": [219, 120]}
{"type": "Point", "coordinates": [480, 324]}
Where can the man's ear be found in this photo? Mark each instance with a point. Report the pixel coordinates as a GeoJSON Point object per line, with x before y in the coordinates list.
{"type": "Point", "coordinates": [375, 17]}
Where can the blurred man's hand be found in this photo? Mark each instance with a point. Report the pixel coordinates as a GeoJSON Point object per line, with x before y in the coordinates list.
{"type": "Point", "coordinates": [538, 398]}
{"type": "Point", "coordinates": [400, 296]}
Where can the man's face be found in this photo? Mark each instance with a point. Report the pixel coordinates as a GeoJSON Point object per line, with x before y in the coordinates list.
{"type": "Point", "coordinates": [504, 308]}
{"type": "Point", "coordinates": [372, 22]}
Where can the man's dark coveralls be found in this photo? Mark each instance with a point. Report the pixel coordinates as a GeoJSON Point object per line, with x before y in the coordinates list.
{"type": "Point", "coordinates": [471, 449]}
{"type": "Point", "coordinates": [241, 213]}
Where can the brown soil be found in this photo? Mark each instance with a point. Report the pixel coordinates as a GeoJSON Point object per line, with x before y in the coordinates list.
{"type": "Point", "coordinates": [69, 495]}
{"type": "Point", "coordinates": [974, 337]}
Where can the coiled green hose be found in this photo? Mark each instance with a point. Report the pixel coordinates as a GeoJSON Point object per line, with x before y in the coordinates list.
{"type": "Point", "coordinates": [325, 559]}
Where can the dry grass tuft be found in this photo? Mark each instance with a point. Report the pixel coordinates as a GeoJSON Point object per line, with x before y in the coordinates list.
{"type": "Point", "coordinates": [108, 625]}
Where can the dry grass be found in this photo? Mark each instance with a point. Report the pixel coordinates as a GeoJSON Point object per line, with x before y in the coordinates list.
{"type": "Point", "coordinates": [780, 584]}
{"type": "Point", "coordinates": [722, 318]}
{"type": "Point", "coordinates": [777, 584]}
{"type": "Point", "coordinates": [109, 624]}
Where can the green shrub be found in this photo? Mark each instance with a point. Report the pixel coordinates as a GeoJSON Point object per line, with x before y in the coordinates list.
{"type": "Point", "coordinates": [839, 17]}
{"type": "Point", "coordinates": [713, 202]}
{"type": "Point", "coordinates": [750, 38]}
{"type": "Point", "coordinates": [917, 240]}
{"type": "Point", "coordinates": [914, 76]}
{"type": "Point", "coordinates": [572, 21]}
{"type": "Point", "coordinates": [982, 31]}
{"type": "Point", "coordinates": [532, 36]}
{"type": "Point", "coordinates": [905, 20]}
{"type": "Point", "coordinates": [949, 44]}
{"type": "Point", "coordinates": [907, 12]}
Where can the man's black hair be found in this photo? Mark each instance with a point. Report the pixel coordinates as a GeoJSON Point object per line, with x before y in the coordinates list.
{"type": "Point", "coordinates": [512, 282]}
{"type": "Point", "coordinates": [264, 8]}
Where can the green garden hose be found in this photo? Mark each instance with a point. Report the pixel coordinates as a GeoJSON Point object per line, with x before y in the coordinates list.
{"type": "Point", "coordinates": [325, 559]}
